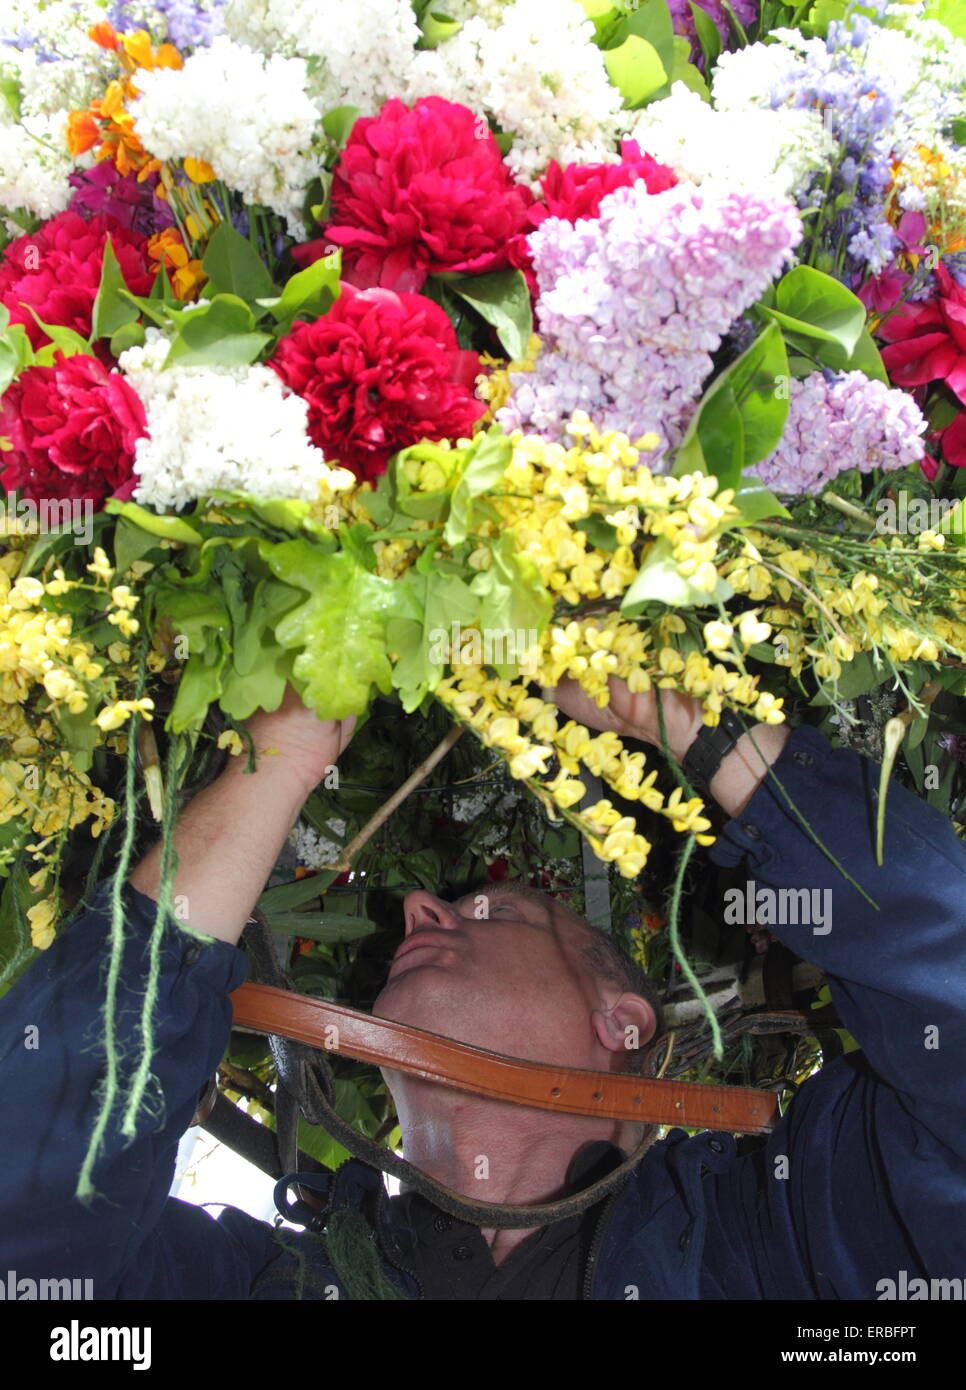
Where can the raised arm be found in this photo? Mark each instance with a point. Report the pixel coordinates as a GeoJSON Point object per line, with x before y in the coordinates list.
{"type": "Point", "coordinates": [130, 1239]}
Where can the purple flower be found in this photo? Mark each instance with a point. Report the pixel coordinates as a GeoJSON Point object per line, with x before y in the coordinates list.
{"type": "Point", "coordinates": [860, 114]}
{"type": "Point", "coordinates": [188, 24]}
{"type": "Point", "coordinates": [135, 205]}
{"type": "Point", "coordinates": [956, 265]}
{"type": "Point", "coordinates": [840, 422]}
{"type": "Point", "coordinates": [632, 304]}
{"type": "Point", "coordinates": [746, 12]}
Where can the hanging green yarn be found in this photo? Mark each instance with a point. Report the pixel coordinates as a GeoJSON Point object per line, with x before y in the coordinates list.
{"type": "Point", "coordinates": [111, 1093]}
{"type": "Point", "coordinates": [354, 1256]}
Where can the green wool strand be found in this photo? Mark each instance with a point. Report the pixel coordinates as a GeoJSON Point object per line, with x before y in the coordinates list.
{"type": "Point", "coordinates": [354, 1255]}
{"type": "Point", "coordinates": [164, 911]}
{"type": "Point", "coordinates": [84, 1191]}
{"type": "Point", "coordinates": [674, 908]}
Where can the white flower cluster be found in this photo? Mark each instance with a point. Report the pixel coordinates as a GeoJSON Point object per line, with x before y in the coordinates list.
{"type": "Point", "coordinates": [313, 850]}
{"type": "Point", "coordinates": [926, 68]}
{"type": "Point", "coordinates": [48, 53]}
{"type": "Point", "coordinates": [360, 54]}
{"type": "Point", "coordinates": [249, 116]}
{"type": "Point", "coordinates": [539, 75]}
{"type": "Point", "coordinates": [743, 148]}
{"type": "Point", "coordinates": [34, 168]}
{"type": "Point", "coordinates": [231, 428]}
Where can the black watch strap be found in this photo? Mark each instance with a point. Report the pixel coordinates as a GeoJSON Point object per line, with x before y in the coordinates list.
{"type": "Point", "coordinates": [706, 753]}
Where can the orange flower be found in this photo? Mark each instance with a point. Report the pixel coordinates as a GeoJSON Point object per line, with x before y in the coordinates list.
{"type": "Point", "coordinates": [82, 132]}
{"type": "Point", "coordinates": [168, 249]}
{"type": "Point", "coordinates": [104, 35]}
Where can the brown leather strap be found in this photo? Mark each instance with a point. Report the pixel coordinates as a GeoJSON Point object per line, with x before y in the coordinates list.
{"type": "Point", "coordinates": [320, 1023]}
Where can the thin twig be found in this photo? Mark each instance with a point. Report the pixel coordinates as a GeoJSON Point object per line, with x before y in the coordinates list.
{"type": "Point", "coordinates": [398, 797]}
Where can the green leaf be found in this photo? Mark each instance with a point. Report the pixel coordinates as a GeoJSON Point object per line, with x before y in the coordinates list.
{"type": "Point", "coordinates": [865, 357]}
{"type": "Point", "coordinates": [952, 13]}
{"type": "Point", "coordinates": [339, 630]}
{"type": "Point", "coordinates": [636, 70]}
{"type": "Point", "coordinates": [321, 926]}
{"type": "Point", "coordinates": [11, 92]}
{"type": "Point", "coordinates": [171, 528]}
{"type": "Point", "coordinates": [513, 599]}
{"type": "Point", "coordinates": [741, 417]}
{"type": "Point", "coordinates": [486, 462]}
{"type": "Point", "coordinates": [131, 542]}
{"type": "Point", "coordinates": [285, 896]}
{"type": "Point", "coordinates": [813, 307]}
{"type": "Point", "coordinates": [16, 950]}
{"type": "Point", "coordinates": [603, 536]}
{"type": "Point", "coordinates": [422, 645]}
{"type": "Point", "coordinates": [755, 501]}
{"type": "Point", "coordinates": [659, 581]}
{"type": "Point", "coordinates": [437, 28]}
{"type": "Point", "coordinates": [338, 124]}
{"type": "Point", "coordinates": [16, 353]}
{"type": "Point", "coordinates": [63, 340]}
{"type": "Point", "coordinates": [684, 71]}
{"type": "Point", "coordinates": [708, 36]}
{"type": "Point", "coordinates": [233, 266]}
{"type": "Point", "coordinates": [130, 334]}
{"type": "Point", "coordinates": [652, 22]}
{"type": "Point", "coordinates": [503, 300]}
{"type": "Point", "coordinates": [310, 293]}
{"type": "Point", "coordinates": [215, 334]}
{"type": "Point", "coordinates": [198, 688]}
{"type": "Point", "coordinates": [111, 310]}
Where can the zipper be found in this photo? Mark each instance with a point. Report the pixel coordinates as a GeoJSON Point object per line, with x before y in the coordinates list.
{"type": "Point", "coordinates": [385, 1239]}
{"type": "Point", "coordinates": [597, 1241]}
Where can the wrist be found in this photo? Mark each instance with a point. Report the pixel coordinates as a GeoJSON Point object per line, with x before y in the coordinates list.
{"type": "Point", "coordinates": [277, 766]}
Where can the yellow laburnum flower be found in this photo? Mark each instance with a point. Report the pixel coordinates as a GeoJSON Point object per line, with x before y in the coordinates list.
{"type": "Point", "coordinates": [751, 630]}
{"type": "Point", "coordinates": [42, 917]}
{"type": "Point", "coordinates": [718, 635]}
{"type": "Point", "coordinates": [231, 739]}
{"type": "Point", "coordinates": [101, 567]}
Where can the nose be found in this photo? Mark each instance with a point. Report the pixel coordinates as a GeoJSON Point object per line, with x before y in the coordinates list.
{"type": "Point", "coordinates": [423, 912]}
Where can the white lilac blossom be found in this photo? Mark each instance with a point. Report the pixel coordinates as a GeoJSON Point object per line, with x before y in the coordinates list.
{"type": "Point", "coordinates": [542, 78]}
{"type": "Point", "coordinates": [233, 428]}
{"type": "Point", "coordinates": [632, 304]}
{"type": "Point", "coordinates": [247, 115]}
{"type": "Point", "coordinates": [46, 51]}
{"type": "Point", "coordinates": [360, 53]}
{"type": "Point", "coordinates": [312, 849]}
{"type": "Point", "coordinates": [743, 148]}
{"type": "Point", "coordinates": [840, 422]}
{"type": "Point", "coordinates": [34, 168]}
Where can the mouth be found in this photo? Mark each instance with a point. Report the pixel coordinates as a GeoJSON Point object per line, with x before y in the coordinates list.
{"type": "Point", "coordinates": [419, 941]}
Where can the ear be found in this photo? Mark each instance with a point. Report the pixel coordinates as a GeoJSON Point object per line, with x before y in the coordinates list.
{"type": "Point", "coordinates": [625, 1027]}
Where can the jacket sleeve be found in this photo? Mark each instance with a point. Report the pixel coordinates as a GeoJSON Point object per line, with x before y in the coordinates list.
{"type": "Point", "coordinates": [868, 1166]}
{"type": "Point", "coordinates": [131, 1240]}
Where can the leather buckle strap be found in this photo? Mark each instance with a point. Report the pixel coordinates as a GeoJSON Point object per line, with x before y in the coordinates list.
{"type": "Point", "coordinates": [385, 1043]}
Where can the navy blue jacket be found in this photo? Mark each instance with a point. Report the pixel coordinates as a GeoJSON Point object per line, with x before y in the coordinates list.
{"type": "Point", "coordinates": [865, 1177]}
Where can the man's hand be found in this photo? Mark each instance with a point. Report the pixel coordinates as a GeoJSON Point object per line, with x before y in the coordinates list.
{"type": "Point", "coordinates": [307, 745]}
{"type": "Point", "coordinates": [230, 835]}
{"type": "Point", "coordinates": [635, 716]}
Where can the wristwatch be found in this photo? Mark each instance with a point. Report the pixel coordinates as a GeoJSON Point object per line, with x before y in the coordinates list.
{"type": "Point", "coordinates": [704, 757]}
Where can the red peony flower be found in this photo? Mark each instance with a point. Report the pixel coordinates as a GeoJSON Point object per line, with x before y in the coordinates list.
{"type": "Point", "coordinates": [57, 271]}
{"type": "Point", "coordinates": [73, 428]}
{"type": "Point", "coordinates": [927, 341]}
{"type": "Point", "coordinates": [380, 371]}
{"type": "Point", "coordinates": [578, 190]}
{"type": "Point", "coordinates": [418, 191]}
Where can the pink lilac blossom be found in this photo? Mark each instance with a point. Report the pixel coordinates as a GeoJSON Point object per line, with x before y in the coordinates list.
{"type": "Point", "coordinates": [632, 303]}
{"type": "Point", "coordinates": [840, 422]}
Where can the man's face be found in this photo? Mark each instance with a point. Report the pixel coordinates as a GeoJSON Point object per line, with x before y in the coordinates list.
{"type": "Point", "coordinates": [501, 970]}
